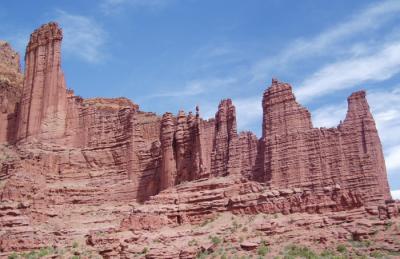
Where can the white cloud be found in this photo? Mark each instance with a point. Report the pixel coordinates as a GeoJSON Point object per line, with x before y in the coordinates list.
{"type": "Point", "coordinates": [115, 6]}
{"type": "Point", "coordinates": [329, 115]}
{"type": "Point", "coordinates": [393, 159]}
{"type": "Point", "coordinates": [196, 87]}
{"type": "Point", "coordinates": [83, 36]}
{"type": "Point", "coordinates": [364, 21]}
{"type": "Point", "coordinates": [248, 111]}
{"type": "Point", "coordinates": [350, 72]}
{"type": "Point", "coordinates": [385, 106]}
{"type": "Point", "coordinates": [396, 194]}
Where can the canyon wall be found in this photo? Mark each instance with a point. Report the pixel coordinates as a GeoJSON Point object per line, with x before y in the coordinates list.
{"type": "Point", "coordinates": [43, 102]}
{"type": "Point", "coordinates": [298, 155]}
{"type": "Point", "coordinates": [10, 91]}
{"type": "Point", "coordinates": [140, 153]}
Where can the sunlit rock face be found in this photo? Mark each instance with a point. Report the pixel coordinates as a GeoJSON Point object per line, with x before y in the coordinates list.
{"type": "Point", "coordinates": [298, 155]}
{"type": "Point", "coordinates": [71, 166]}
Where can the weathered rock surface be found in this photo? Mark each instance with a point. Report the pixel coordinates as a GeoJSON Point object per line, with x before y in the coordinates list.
{"type": "Point", "coordinates": [10, 91]}
{"type": "Point", "coordinates": [298, 155]}
{"type": "Point", "coordinates": [102, 172]}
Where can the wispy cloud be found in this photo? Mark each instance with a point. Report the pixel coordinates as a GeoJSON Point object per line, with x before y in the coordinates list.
{"type": "Point", "coordinates": [329, 116]}
{"type": "Point", "coordinates": [365, 21]}
{"type": "Point", "coordinates": [351, 72]}
{"type": "Point", "coordinates": [196, 87]}
{"type": "Point", "coordinates": [248, 111]}
{"type": "Point", "coordinates": [393, 159]}
{"type": "Point", "coordinates": [385, 107]}
{"type": "Point", "coordinates": [115, 6]}
{"type": "Point", "coordinates": [396, 194]}
{"type": "Point", "coordinates": [83, 36]}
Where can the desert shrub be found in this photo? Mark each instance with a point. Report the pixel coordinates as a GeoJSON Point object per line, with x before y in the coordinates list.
{"type": "Point", "coordinates": [45, 251]}
{"type": "Point", "coordinates": [341, 248]}
{"type": "Point", "coordinates": [13, 256]}
{"type": "Point", "coordinates": [262, 249]}
{"type": "Point", "coordinates": [377, 254]}
{"type": "Point", "coordinates": [215, 240]}
{"type": "Point", "coordinates": [297, 251]}
{"type": "Point", "coordinates": [145, 250]}
{"type": "Point", "coordinates": [327, 253]}
{"type": "Point", "coordinates": [202, 255]}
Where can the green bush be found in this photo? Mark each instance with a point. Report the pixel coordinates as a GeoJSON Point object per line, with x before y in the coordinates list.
{"type": "Point", "coordinates": [327, 253]}
{"type": "Point", "coordinates": [215, 240]}
{"type": "Point", "coordinates": [262, 250]}
{"type": "Point", "coordinates": [377, 254]}
{"type": "Point", "coordinates": [13, 256]}
{"type": "Point", "coordinates": [341, 248]}
{"type": "Point", "coordinates": [202, 255]}
{"type": "Point", "coordinates": [297, 251]}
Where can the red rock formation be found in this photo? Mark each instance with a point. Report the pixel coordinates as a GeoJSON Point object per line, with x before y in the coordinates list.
{"type": "Point", "coordinates": [79, 165]}
{"type": "Point", "coordinates": [225, 153]}
{"type": "Point", "coordinates": [43, 102]}
{"type": "Point", "coordinates": [10, 91]}
{"type": "Point", "coordinates": [295, 154]}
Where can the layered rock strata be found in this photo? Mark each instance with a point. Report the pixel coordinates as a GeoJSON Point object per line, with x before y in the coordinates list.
{"type": "Point", "coordinates": [70, 166]}
{"type": "Point", "coordinates": [43, 102]}
{"type": "Point", "coordinates": [298, 155]}
{"type": "Point", "coordinates": [10, 91]}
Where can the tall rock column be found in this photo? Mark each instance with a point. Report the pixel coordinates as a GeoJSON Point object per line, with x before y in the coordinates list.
{"type": "Point", "coordinates": [168, 162]}
{"type": "Point", "coordinates": [10, 91]}
{"type": "Point", "coordinates": [284, 120]}
{"type": "Point", "coordinates": [43, 103]}
{"type": "Point", "coordinates": [363, 149]}
{"type": "Point", "coordinates": [226, 156]}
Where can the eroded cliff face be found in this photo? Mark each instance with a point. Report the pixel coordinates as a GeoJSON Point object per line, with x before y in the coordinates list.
{"type": "Point", "coordinates": [43, 103]}
{"type": "Point", "coordinates": [75, 165]}
{"type": "Point", "coordinates": [298, 155]}
{"type": "Point", "coordinates": [10, 91]}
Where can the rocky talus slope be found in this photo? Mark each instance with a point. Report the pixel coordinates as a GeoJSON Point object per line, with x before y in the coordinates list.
{"type": "Point", "coordinates": [99, 177]}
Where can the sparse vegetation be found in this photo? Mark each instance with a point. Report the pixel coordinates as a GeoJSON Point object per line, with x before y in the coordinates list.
{"type": "Point", "coordinates": [202, 255]}
{"type": "Point", "coordinates": [215, 240]}
{"type": "Point", "coordinates": [263, 249]}
{"type": "Point", "coordinates": [294, 251]}
{"type": "Point", "coordinates": [377, 254]}
{"type": "Point", "coordinates": [341, 248]}
{"type": "Point", "coordinates": [192, 242]}
{"type": "Point", "coordinates": [145, 250]}
{"type": "Point", "coordinates": [46, 252]}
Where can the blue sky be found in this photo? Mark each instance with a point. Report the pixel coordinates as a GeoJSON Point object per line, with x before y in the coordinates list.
{"type": "Point", "coordinates": [168, 55]}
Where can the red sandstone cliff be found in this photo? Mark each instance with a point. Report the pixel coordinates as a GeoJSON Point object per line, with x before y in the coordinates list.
{"type": "Point", "coordinates": [70, 157]}
{"type": "Point", "coordinates": [43, 103]}
{"type": "Point", "coordinates": [10, 91]}
{"type": "Point", "coordinates": [296, 154]}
